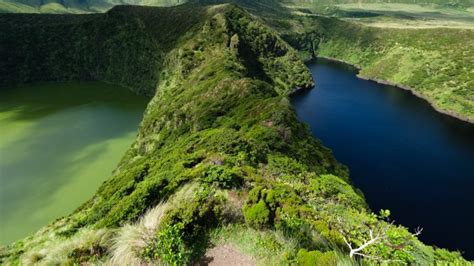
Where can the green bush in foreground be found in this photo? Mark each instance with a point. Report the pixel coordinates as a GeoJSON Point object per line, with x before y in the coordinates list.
{"type": "Point", "coordinates": [170, 247]}
{"type": "Point", "coordinates": [315, 257]}
{"type": "Point", "coordinates": [257, 215]}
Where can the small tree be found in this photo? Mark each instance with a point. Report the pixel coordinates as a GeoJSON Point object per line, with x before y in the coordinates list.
{"type": "Point", "coordinates": [376, 232]}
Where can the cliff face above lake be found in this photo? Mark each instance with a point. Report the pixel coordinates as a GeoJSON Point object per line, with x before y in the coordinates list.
{"type": "Point", "coordinates": [220, 154]}
{"type": "Point", "coordinates": [436, 64]}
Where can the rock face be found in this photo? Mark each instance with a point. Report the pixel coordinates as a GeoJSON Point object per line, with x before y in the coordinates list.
{"type": "Point", "coordinates": [219, 146]}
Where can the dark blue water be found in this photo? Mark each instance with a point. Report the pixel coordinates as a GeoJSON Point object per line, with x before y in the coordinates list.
{"type": "Point", "coordinates": [404, 155]}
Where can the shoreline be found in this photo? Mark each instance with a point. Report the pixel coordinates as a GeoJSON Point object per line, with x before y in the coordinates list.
{"type": "Point", "coordinates": [403, 87]}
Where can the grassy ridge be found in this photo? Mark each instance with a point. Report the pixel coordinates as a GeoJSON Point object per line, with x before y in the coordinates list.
{"type": "Point", "coordinates": [220, 153]}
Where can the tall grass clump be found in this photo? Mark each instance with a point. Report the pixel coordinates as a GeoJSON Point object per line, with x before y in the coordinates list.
{"type": "Point", "coordinates": [133, 238]}
{"type": "Point", "coordinates": [86, 246]}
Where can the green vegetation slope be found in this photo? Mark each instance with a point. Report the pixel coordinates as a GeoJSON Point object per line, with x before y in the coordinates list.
{"type": "Point", "coordinates": [219, 155]}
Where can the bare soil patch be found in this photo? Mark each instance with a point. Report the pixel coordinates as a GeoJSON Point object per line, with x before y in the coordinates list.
{"type": "Point", "coordinates": [226, 255]}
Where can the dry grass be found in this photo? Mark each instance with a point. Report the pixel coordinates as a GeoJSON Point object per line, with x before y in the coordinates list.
{"type": "Point", "coordinates": [124, 245]}
{"type": "Point", "coordinates": [58, 252]}
{"type": "Point", "coordinates": [131, 239]}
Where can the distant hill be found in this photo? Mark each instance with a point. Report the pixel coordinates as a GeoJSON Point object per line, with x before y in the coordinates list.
{"type": "Point", "coordinates": [88, 6]}
{"type": "Point", "coordinates": [75, 6]}
{"type": "Point", "coordinates": [461, 3]}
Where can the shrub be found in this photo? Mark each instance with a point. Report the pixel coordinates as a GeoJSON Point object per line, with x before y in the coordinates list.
{"type": "Point", "coordinates": [257, 215]}
{"type": "Point", "coordinates": [168, 247]}
{"type": "Point", "coordinates": [330, 186]}
{"type": "Point", "coordinates": [172, 247]}
{"type": "Point", "coordinates": [445, 255]}
{"type": "Point", "coordinates": [192, 210]}
{"type": "Point", "coordinates": [222, 176]}
{"type": "Point", "coordinates": [315, 257]}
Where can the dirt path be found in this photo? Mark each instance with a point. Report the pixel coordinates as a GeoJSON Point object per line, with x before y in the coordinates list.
{"type": "Point", "coordinates": [226, 255]}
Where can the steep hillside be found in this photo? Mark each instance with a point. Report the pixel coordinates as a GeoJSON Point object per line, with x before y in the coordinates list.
{"type": "Point", "coordinates": [220, 153]}
{"type": "Point", "coordinates": [114, 47]}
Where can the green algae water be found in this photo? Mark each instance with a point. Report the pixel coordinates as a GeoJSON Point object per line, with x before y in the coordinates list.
{"type": "Point", "coordinates": [58, 143]}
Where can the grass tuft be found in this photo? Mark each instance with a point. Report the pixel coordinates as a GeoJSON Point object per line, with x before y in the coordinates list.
{"type": "Point", "coordinates": [132, 239]}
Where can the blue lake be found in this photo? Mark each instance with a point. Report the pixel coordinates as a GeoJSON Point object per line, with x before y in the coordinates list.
{"type": "Point", "coordinates": [401, 153]}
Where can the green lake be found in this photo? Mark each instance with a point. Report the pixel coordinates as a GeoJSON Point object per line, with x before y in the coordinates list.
{"type": "Point", "coordinates": [58, 143]}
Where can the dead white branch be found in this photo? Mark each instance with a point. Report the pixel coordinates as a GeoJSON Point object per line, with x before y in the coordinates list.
{"type": "Point", "coordinates": [373, 239]}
